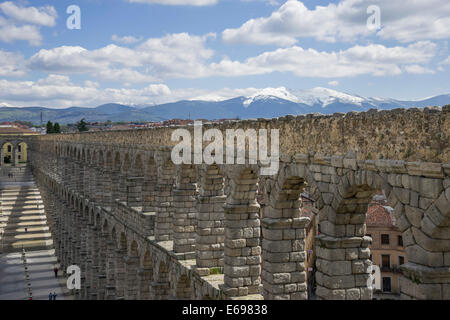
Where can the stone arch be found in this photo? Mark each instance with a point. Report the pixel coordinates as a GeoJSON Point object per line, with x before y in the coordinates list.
{"type": "Point", "coordinates": [126, 164]}
{"type": "Point", "coordinates": [117, 161]}
{"type": "Point", "coordinates": [120, 265]}
{"type": "Point", "coordinates": [100, 159]}
{"type": "Point", "coordinates": [98, 221]}
{"type": "Point", "coordinates": [164, 193]}
{"type": "Point", "coordinates": [105, 226]}
{"type": "Point", "coordinates": [343, 248]}
{"type": "Point", "coordinates": [210, 218]}
{"type": "Point", "coordinates": [131, 271]}
{"type": "Point", "coordinates": [283, 230]}
{"type": "Point", "coordinates": [122, 241]}
{"type": "Point", "coordinates": [138, 165]}
{"type": "Point", "coordinates": [352, 196]}
{"type": "Point", "coordinates": [242, 232]}
{"type": "Point", "coordinates": [114, 235]}
{"type": "Point", "coordinates": [109, 160]}
{"type": "Point", "coordinates": [7, 153]}
{"type": "Point", "coordinates": [161, 284]}
{"type": "Point", "coordinates": [185, 213]}
{"type": "Point", "coordinates": [145, 276]}
{"type": "Point", "coordinates": [183, 288]}
{"type": "Point", "coordinates": [133, 250]}
{"type": "Point", "coordinates": [91, 215]}
{"type": "Point", "coordinates": [149, 186]}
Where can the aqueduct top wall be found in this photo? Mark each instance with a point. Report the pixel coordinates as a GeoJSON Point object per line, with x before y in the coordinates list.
{"type": "Point", "coordinates": [400, 134]}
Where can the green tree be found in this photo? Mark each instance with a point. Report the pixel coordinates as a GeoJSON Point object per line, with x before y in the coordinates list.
{"type": "Point", "coordinates": [50, 128]}
{"type": "Point", "coordinates": [82, 126]}
{"type": "Point", "coordinates": [56, 128]}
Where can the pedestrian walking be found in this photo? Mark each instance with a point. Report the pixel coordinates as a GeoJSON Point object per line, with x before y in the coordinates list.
{"type": "Point", "coordinates": [50, 296]}
{"type": "Point", "coordinates": [55, 270]}
{"type": "Point", "coordinates": [54, 296]}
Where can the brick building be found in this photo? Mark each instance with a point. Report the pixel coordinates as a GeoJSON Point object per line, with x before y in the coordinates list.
{"type": "Point", "coordinates": [387, 250]}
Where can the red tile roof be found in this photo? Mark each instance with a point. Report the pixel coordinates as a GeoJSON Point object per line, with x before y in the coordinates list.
{"type": "Point", "coordinates": [379, 215]}
{"type": "Point", "coordinates": [15, 130]}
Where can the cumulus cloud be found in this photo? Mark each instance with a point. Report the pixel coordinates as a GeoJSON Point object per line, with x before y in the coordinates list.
{"type": "Point", "coordinates": [376, 60]}
{"type": "Point", "coordinates": [20, 23]}
{"type": "Point", "coordinates": [58, 91]}
{"type": "Point", "coordinates": [175, 55]}
{"type": "Point", "coordinates": [125, 39]}
{"type": "Point", "coordinates": [177, 2]}
{"type": "Point", "coordinates": [418, 69]}
{"type": "Point", "coordinates": [333, 83]}
{"type": "Point", "coordinates": [108, 63]}
{"type": "Point", "coordinates": [11, 33]}
{"type": "Point", "coordinates": [44, 16]}
{"type": "Point", "coordinates": [346, 21]}
{"type": "Point", "coordinates": [187, 56]}
{"type": "Point", "coordinates": [11, 64]}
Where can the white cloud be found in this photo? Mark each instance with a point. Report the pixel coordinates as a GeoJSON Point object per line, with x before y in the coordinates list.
{"type": "Point", "coordinates": [418, 69]}
{"type": "Point", "coordinates": [11, 64]}
{"type": "Point", "coordinates": [59, 92]}
{"type": "Point", "coordinates": [10, 33]}
{"type": "Point", "coordinates": [175, 55]}
{"type": "Point", "coordinates": [346, 21]}
{"type": "Point", "coordinates": [178, 2]}
{"type": "Point", "coordinates": [333, 83]}
{"type": "Point", "coordinates": [23, 23]}
{"type": "Point", "coordinates": [125, 39]}
{"type": "Point", "coordinates": [186, 56]}
{"type": "Point", "coordinates": [44, 16]}
{"type": "Point", "coordinates": [108, 63]}
{"type": "Point", "coordinates": [376, 60]}
{"type": "Point", "coordinates": [446, 61]}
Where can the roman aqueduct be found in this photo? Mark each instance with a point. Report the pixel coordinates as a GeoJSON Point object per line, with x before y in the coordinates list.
{"type": "Point", "coordinates": [141, 227]}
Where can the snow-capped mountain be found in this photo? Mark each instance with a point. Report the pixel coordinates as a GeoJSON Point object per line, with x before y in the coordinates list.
{"type": "Point", "coordinates": [264, 103]}
{"type": "Point", "coordinates": [324, 100]}
{"type": "Point", "coordinates": [271, 93]}
{"type": "Point", "coordinates": [324, 97]}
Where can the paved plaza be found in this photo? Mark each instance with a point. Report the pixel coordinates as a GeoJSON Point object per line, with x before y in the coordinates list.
{"type": "Point", "coordinates": [27, 256]}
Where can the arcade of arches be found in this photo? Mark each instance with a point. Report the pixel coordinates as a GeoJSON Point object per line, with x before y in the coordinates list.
{"type": "Point", "coordinates": [141, 227]}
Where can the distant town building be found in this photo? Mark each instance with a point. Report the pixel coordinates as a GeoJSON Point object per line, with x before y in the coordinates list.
{"type": "Point", "coordinates": [14, 154]}
{"type": "Point", "coordinates": [387, 246]}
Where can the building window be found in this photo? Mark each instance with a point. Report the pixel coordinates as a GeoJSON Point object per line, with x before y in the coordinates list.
{"type": "Point", "coordinates": [19, 157]}
{"type": "Point", "coordinates": [20, 148]}
{"type": "Point", "coordinates": [401, 260]}
{"type": "Point", "coordinates": [9, 148]}
{"type": "Point", "coordinates": [385, 261]}
{"type": "Point", "coordinates": [387, 284]}
{"type": "Point", "coordinates": [384, 239]}
{"type": "Point", "coordinates": [400, 241]}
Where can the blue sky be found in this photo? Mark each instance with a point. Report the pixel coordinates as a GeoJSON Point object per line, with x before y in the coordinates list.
{"type": "Point", "coordinates": [154, 51]}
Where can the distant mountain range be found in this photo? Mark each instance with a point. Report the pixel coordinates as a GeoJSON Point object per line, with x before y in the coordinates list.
{"type": "Point", "coordinates": [267, 103]}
